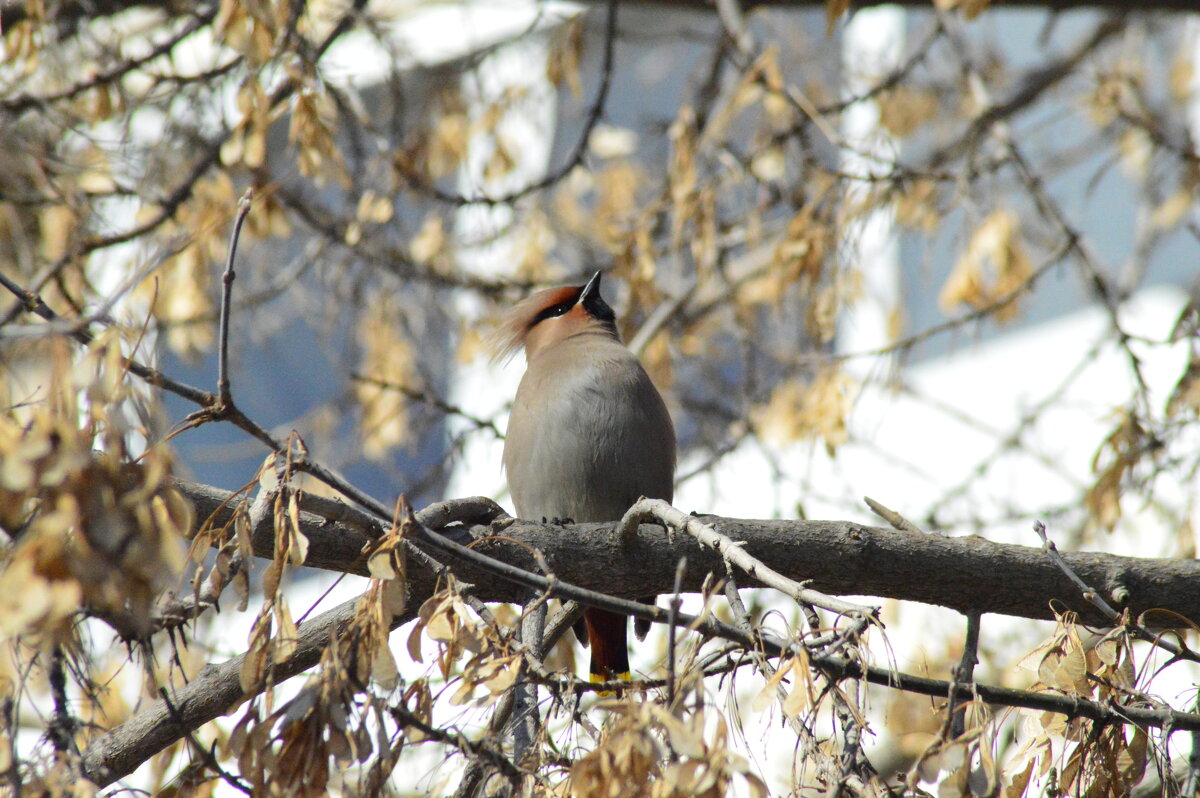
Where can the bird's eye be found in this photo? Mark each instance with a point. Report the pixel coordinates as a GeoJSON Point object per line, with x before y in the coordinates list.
{"type": "Point", "coordinates": [554, 310]}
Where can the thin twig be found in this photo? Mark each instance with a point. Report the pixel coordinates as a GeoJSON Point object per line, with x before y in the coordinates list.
{"type": "Point", "coordinates": [557, 626]}
{"type": "Point", "coordinates": [210, 759]}
{"type": "Point", "coordinates": [1093, 595]}
{"type": "Point", "coordinates": [663, 313]}
{"type": "Point", "coordinates": [7, 705]}
{"type": "Point", "coordinates": [62, 726]}
{"type": "Point", "coordinates": [224, 396]}
{"type": "Point", "coordinates": [964, 674]}
{"type": "Point", "coordinates": [431, 400]}
{"type": "Point", "coordinates": [674, 612]}
{"type": "Point", "coordinates": [99, 314]}
{"type": "Point", "coordinates": [170, 611]}
{"type": "Point", "coordinates": [729, 12]}
{"type": "Point", "coordinates": [1191, 781]}
{"type": "Point", "coordinates": [1033, 86]}
{"type": "Point", "coordinates": [35, 304]}
{"type": "Point", "coordinates": [169, 206]}
{"type": "Point", "coordinates": [472, 749]}
{"type": "Point", "coordinates": [761, 662]}
{"type": "Point", "coordinates": [578, 153]}
{"type": "Point", "coordinates": [892, 517]}
{"type": "Point", "coordinates": [23, 102]}
{"type": "Point", "coordinates": [526, 723]}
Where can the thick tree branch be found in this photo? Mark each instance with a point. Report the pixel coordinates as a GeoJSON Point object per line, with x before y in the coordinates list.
{"type": "Point", "coordinates": [968, 574]}
{"type": "Point", "coordinates": [215, 691]}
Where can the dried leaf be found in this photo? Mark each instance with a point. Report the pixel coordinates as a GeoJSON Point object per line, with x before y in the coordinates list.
{"type": "Point", "coordinates": [818, 410]}
{"type": "Point", "coordinates": [254, 663]}
{"type": "Point", "coordinates": [1016, 788]}
{"type": "Point", "coordinates": [380, 565]}
{"type": "Point", "coordinates": [430, 241]}
{"type": "Point", "coordinates": [685, 739]}
{"type": "Point", "coordinates": [993, 268]}
{"type": "Point", "coordinates": [297, 542]}
{"type": "Point", "coordinates": [383, 669]}
{"type": "Point", "coordinates": [286, 636]}
{"type": "Point", "coordinates": [834, 10]}
{"type": "Point", "coordinates": [904, 109]}
{"type": "Point", "coordinates": [504, 676]}
{"type": "Point", "coordinates": [388, 363]}
{"type": "Point", "coordinates": [802, 694]}
{"type": "Point", "coordinates": [766, 696]}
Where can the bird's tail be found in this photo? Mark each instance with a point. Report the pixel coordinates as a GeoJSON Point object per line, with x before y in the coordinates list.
{"type": "Point", "coordinates": [606, 637]}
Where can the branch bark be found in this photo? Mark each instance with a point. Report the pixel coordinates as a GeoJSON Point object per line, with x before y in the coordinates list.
{"type": "Point", "coordinates": [215, 691]}
{"type": "Point", "coordinates": [968, 574]}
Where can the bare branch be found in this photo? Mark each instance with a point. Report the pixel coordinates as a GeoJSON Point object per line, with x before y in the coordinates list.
{"type": "Point", "coordinates": [578, 153]}
{"type": "Point", "coordinates": [1090, 593]}
{"type": "Point", "coordinates": [964, 673]}
{"type": "Point", "coordinates": [962, 573]}
{"type": "Point", "coordinates": [34, 303]}
{"type": "Point", "coordinates": [224, 397]}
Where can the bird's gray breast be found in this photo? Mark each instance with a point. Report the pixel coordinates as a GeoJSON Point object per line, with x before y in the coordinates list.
{"type": "Point", "coordinates": [588, 442]}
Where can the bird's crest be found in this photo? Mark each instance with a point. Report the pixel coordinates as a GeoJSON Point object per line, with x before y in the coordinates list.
{"type": "Point", "coordinates": [516, 323]}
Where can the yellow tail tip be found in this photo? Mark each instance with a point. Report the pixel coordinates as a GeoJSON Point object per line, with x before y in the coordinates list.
{"type": "Point", "coordinates": [598, 678]}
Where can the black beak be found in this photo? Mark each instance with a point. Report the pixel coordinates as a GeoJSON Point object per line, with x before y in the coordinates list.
{"type": "Point", "coordinates": [591, 289]}
{"type": "Point", "coordinates": [593, 303]}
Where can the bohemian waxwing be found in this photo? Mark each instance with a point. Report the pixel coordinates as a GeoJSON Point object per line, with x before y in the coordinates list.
{"type": "Point", "coordinates": [589, 433]}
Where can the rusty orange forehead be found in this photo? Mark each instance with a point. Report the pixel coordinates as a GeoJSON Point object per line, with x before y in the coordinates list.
{"type": "Point", "coordinates": [518, 321]}
{"type": "Point", "coordinates": [554, 296]}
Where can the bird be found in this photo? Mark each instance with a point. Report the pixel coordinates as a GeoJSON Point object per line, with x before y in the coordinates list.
{"type": "Point", "coordinates": [588, 435]}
